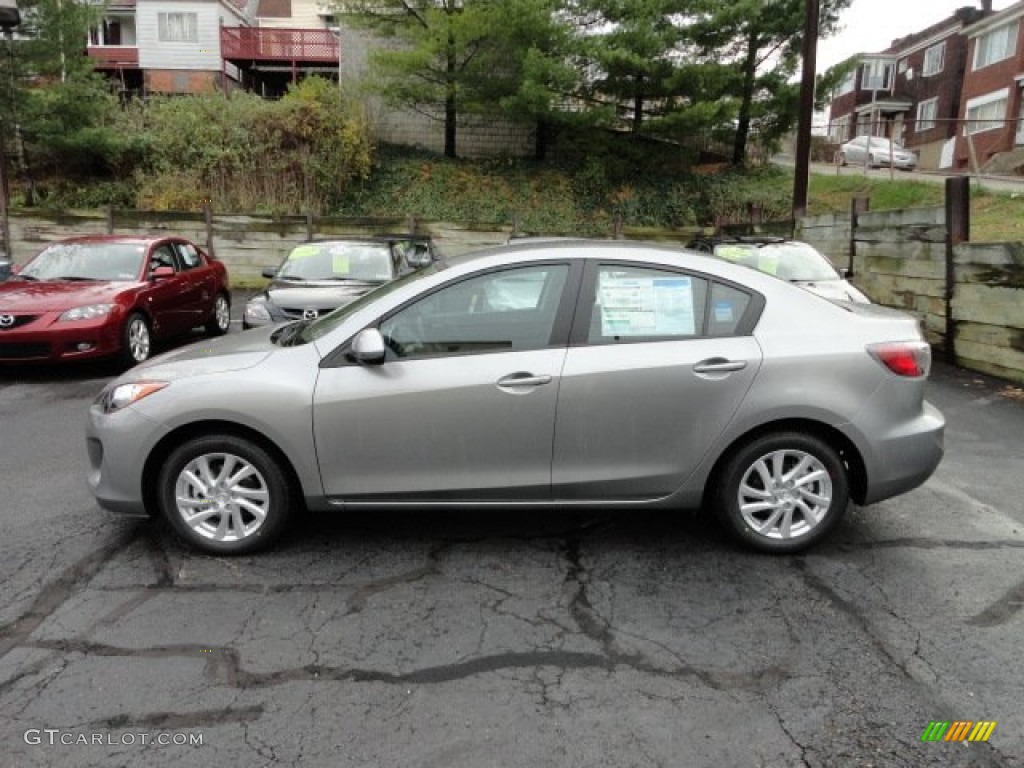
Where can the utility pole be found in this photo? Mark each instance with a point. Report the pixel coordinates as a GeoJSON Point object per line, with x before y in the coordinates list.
{"type": "Point", "coordinates": [10, 17]}
{"type": "Point", "coordinates": [803, 132]}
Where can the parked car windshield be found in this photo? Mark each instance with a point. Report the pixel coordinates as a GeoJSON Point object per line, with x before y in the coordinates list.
{"type": "Point", "coordinates": [790, 261]}
{"type": "Point", "coordinates": [327, 323]}
{"type": "Point", "coordinates": [87, 261]}
{"type": "Point", "coordinates": [366, 262]}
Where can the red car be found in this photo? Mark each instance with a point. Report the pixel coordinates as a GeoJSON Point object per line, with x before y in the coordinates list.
{"type": "Point", "coordinates": [90, 297]}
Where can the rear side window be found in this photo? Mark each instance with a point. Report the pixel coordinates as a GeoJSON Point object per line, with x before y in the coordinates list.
{"type": "Point", "coordinates": [728, 307]}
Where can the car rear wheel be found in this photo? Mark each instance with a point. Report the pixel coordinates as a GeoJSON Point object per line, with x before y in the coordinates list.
{"type": "Point", "coordinates": [220, 322]}
{"type": "Point", "coordinates": [783, 492]}
{"type": "Point", "coordinates": [136, 340]}
{"type": "Point", "coordinates": [842, 159]}
{"type": "Point", "coordinates": [224, 495]}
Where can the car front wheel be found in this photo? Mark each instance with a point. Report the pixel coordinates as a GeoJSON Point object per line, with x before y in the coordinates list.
{"type": "Point", "coordinates": [224, 494]}
{"type": "Point", "coordinates": [783, 492]}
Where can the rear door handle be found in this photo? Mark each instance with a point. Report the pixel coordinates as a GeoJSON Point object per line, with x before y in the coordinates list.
{"type": "Point", "coordinates": [719, 365]}
{"type": "Point", "coordinates": [523, 380]}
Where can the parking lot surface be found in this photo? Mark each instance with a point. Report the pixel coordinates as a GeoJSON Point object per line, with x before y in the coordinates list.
{"type": "Point", "coordinates": [540, 639]}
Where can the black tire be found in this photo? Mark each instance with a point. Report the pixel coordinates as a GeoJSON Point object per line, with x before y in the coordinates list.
{"type": "Point", "coordinates": [824, 478]}
{"type": "Point", "coordinates": [220, 322]}
{"type": "Point", "coordinates": [136, 340]}
{"type": "Point", "coordinates": [842, 159]}
{"type": "Point", "coordinates": [226, 527]}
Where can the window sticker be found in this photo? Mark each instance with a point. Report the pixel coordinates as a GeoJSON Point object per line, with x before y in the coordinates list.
{"type": "Point", "coordinates": [302, 252]}
{"type": "Point", "coordinates": [339, 263]}
{"type": "Point", "coordinates": [723, 312]}
{"type": "Point", "coordinates": [732, 252]}
{"type": "Point", "coordinates": [768, 261]}
{"type": "Point", "coordinates": [646, 306]}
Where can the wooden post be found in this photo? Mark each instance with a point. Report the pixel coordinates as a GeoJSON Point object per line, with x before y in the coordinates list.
{"type": "Point", "coordinates": [310, 228]}
{"type": "Point", "coordinates": [410, 223]}
{"type": "Point", "coordinates": [958, 230]}
{"type": "Point", "coordinates": [110, 219]}
{"type": "Point", "coordinates": [618, 226]}
{"type": "Point", "coordinates": [858, 205]}
{"type": "Point", "coordinates": [208, 217]}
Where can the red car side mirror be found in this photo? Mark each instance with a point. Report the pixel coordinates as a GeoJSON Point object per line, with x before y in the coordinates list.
{"type": "Point", "coordinates": [161, 272]}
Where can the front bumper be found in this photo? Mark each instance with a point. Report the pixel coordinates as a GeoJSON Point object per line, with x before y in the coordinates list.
{"type": "Point", "coordinates": [118, 445]}
{"type": "Point", "coordinates": [45, 338]}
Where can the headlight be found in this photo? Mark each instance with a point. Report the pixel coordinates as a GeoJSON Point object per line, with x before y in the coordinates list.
{"type": "Point", "coordinates": [123, 395]}
{"type": "Point", "coordinates": [257, 310]}
{"type": "Point", "coordinates": [88, 312]}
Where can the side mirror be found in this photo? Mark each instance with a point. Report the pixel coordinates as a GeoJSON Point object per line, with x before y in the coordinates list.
{"type": "Point", "coordinates": [162, 272]}
{"type": "Point", "coordinates": [368, 347]}
{"type": "Point", "coordinates": [269, 272]}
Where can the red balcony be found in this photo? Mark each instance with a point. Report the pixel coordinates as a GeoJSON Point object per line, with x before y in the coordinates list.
{"type": "Point", "coordinates": [114, 56]}
{"type": "Point", "coordinates": [291, 45]}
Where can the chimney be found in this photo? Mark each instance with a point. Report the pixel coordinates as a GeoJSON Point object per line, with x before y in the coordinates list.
{"type": "Point", "coordinates": [986, 6]}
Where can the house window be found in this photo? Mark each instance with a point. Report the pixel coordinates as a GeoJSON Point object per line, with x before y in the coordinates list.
{"type": "Point", "coordinates": [988, 112]}
{"type": "Point", "coordinates": [901, 67]}
{"type": "Point", "coordinates": [178, 27]}
{"type": "Point", "coordinates": [876, 76]}
{"type": "Point", "coordinates": [995, 46]}
{"type": "Point", "coordinates": [934, 59]}
{"type": "Point", "coordinates": [926, 114]}
{"type": "Point", "coordinates": [848, 84]}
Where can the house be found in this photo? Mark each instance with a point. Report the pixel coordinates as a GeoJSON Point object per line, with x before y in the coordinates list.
{"type": "Point", "coordinates": [992, 105]}
{"type": "Point", "coordinates": [911, 91]}
{"type": "Point", "coordinates": [197, 46]}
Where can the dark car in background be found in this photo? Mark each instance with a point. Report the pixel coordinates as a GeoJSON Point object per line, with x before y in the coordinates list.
{"type": "Point", "coordinates": [322, 275]}
{"type": "Point", "coordinates": [5, 268]}
{"type": "Point", "coordinates": [791, 260]}
{"type": "Point", "coordinates": [91, 297]}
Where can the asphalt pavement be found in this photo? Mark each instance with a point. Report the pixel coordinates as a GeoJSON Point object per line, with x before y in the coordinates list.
{"type": "Point", "coordinates": [513, 639]}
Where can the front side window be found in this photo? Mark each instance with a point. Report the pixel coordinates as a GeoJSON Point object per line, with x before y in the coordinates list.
{"type": "Point", "coordinates": [934, 59]}
{"type": "Point", "coordinates": [504, 311]}
{"type": "Point", "coordinates": [637, 303]}
{"type": "Point", "coordinates": [178, 27]}
{"type": "Point", "coordinates": [994, 46]}
{"type": "Point", "coordinates": [926, 113]}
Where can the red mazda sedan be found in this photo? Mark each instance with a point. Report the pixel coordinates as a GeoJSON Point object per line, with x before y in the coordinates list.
{"type": "Point", "coordinates": [90, 297]}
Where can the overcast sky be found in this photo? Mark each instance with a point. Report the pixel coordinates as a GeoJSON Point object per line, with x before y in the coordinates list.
{"type": "Point", "coordinates": [869, 26]}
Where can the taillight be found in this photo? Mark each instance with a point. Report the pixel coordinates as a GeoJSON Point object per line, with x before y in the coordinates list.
{"type": "Point", "coordinates": [904, 358]}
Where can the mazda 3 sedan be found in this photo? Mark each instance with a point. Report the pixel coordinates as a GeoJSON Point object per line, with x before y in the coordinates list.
{"type": "Point", "coordinates": [569, 374]}
{"type": "Point", "coordinates": [107, 296]}
{"type": "Point", "coordinates": [322, 275]}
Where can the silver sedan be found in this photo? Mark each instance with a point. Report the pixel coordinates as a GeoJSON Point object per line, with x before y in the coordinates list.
{"type": "Point", "coordinates": [571, 374]}
{"type": "Point", "coordinates": [877, 152]}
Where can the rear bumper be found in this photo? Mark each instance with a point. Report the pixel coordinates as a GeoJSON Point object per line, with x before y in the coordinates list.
{"type": "Point", "coordinates": [905, 456]}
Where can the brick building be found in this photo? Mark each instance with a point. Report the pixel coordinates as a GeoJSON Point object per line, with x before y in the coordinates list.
{"type": "Point", "coordinates": [911, 91]}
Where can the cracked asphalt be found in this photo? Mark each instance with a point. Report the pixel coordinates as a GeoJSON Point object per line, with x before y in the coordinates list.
{"type": "Point", "coordinates": [509, 639]}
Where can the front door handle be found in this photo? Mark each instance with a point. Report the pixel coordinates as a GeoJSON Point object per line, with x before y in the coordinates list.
{"type": "Point", "coordinates": [719, 365]}
{"type": "Point", "coordinates": [523, 380]}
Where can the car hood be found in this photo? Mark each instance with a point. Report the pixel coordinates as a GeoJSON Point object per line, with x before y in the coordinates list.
{"type": "Point", "coordinates": [57, 296]}
{"type": "Point", "coordinates": [319, 296]}
{"type": "Point", "coordinates": [234, 352]}
{"type": "Point", "coordinates": [833, 289]}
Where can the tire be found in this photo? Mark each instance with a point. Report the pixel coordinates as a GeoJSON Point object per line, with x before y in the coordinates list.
{"type": "Point", "coordinates": [136, 340]}
{"type": "Point", "coordinates": [812, 496]}
{"type": "Point", "coordinates": [216, 516]}
{"type": "Point", "coordinates": [220, 322]}
{"type": "Point", "coordinates": [842, 159]}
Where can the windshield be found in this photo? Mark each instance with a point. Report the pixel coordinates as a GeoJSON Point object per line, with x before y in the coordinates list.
{"type": "Point", "coordinates": [87, 261]}
{"type": "Point", "coordinates": [366, 262]}
{"type": "Point", "coordinates": [327, 323]}
{"type": "Point", "coordinates": [790, 261]}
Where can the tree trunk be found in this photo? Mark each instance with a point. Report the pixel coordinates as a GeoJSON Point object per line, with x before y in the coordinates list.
{"type": "Point", "coordinates": [739, 148]}
{"type": "Point", "coordinates": [451, 104]}
{"type": "Point", "coordinates": [638, 103]}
